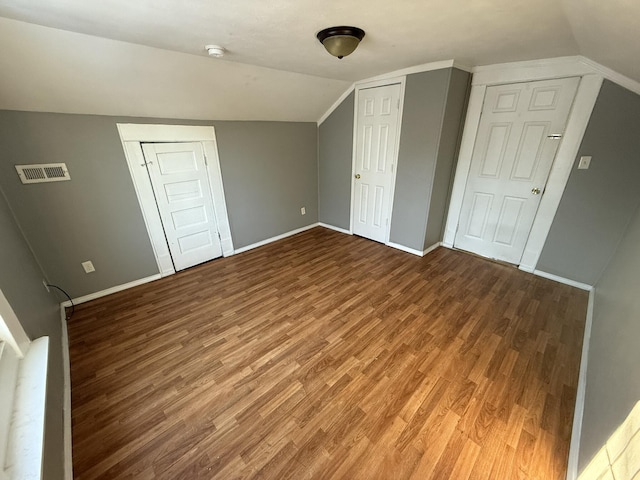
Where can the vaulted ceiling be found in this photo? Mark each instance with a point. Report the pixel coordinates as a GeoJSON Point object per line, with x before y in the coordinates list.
{"type": "Point", "coordinates": [273, 55]}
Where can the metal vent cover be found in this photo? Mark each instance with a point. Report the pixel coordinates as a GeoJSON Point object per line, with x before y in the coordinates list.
{"type": "Point", "coordinates": [43, 172]}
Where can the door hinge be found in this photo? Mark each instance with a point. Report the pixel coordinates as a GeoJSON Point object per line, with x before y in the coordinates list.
{"type": "Point", "coordinates": [205, 159]}
{"type": "Point", "coordinates": [398, 106]}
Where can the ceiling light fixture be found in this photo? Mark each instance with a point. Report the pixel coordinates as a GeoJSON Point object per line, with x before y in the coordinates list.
{"type": "Point", "coordinates": [215, 50]}
{"type": "Point", "coordinates": [340, 41]}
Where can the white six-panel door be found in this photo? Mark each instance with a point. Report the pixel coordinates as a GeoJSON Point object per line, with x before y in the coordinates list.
{"type": "Point", "coordinates": [520, 129]}
{"type": "Point", "coordinates": [181, 187]}
{"type": "Point", "coordinates": [376, 138]}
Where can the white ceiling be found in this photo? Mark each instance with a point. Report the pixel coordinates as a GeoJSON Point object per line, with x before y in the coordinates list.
{"type": "Point", "coordinates": [280, 35]}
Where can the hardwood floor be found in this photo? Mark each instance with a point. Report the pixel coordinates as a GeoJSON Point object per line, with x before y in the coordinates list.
{"type": "Point", "coordinates": [328, 356]}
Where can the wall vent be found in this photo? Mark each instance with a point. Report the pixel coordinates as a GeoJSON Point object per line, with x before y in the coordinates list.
{"type": "Point", "coordinates": [43, 172]}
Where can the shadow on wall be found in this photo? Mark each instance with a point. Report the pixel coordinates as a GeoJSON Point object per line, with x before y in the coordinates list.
{"type": "Point", "coordinates": [619, 457]}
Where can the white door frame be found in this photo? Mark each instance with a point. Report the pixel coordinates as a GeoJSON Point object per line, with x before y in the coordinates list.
{"type": "Point", "coordinates": [394, 167]}
{"type": "Point", "coordinates": [132, 135]}
{"type": "Point", "coordinates": [583, 104]}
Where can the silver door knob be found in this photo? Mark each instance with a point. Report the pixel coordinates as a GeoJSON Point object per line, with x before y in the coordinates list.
{"type": "Point", "coordinates": [535, 191]}
{"type": "Point", "coordinates": [357, 176]}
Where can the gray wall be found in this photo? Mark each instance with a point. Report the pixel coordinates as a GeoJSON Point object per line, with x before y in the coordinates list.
{"type": "Point", "coordinates": [450, 138]}
{"type": "Point", "coordinates": [269, 171]}
{"type": "Point", "coordinates": [432, 116]}
{"type": "Point", "coordinates": [597, 203]}
{"type": "Point", "coordinates": [613, 376]}
{"type": "Point", "coordinates": [433, 111]}
{"type": "Point", "coordinates": [335, 151]}
{"type": "Point", "coordinates": [39, 314]}
{"type": "Point", "coordinates": [424, 104]}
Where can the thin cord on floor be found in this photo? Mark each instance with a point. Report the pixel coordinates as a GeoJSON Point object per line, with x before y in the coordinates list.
{"type": "Point", "coordinates": [73, 307]}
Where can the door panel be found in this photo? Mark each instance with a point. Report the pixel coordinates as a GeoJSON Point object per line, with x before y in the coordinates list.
{"type": "Point", "coordinates": [514, 150]}
{"type": "Point", "coordinates": [180, 184]}
{"type": "Point", "coordinates": [376, 130]}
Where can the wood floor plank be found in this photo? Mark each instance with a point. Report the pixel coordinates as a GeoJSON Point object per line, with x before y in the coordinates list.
{"type": "Point", "coordinates": [328, 356]}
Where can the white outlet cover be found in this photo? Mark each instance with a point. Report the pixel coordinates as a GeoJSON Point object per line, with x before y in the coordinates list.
{"type": "Point", "coordinates": [303, 211]}
{"type": "Point", "coordinates": [88, 267]}
{"type": "Point", "coordinates": [584, 163]}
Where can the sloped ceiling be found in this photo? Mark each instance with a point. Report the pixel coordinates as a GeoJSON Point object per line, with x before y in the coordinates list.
{"type": "Point", "coordinates": [275, 68]}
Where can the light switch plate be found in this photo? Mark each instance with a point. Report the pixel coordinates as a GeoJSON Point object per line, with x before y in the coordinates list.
{"type": "Point", "coordinates": [584, 163]}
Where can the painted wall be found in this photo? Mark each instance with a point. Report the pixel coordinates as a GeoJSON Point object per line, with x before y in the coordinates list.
{"type": "Point", "coordinates": [335, 151]}
{"type": "Point", "coordinates": [598, 203]}
{"type": "Point", "coordinates": [431, 123]}
{"type": "Point", "coordinates": [449, 145]}
{"type": "Point", "coordinates": [433, 111]}
{"type": "Point", "coordinates": [613, 379]}
{"type": "Point", "coordinates": [269, 171]}
{"type": "Point", "coordinates": [424, 104]}
{"type": "Point", "coordinates": [39, 314]}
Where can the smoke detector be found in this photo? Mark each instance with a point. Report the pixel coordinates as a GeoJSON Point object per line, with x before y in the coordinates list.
{"type": "Point", "coordinates": [215, 51]}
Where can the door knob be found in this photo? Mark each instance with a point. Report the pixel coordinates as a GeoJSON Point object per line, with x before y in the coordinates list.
{"type": "Point", "coordinates": [535, 191]}
{"type": "Point", "coordinates": [357, 176]}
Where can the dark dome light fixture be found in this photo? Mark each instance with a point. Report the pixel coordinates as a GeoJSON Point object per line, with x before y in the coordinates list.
{"type": "Point", "coordinates": [340, 41]}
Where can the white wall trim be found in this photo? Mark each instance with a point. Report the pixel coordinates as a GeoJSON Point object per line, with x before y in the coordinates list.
{"type": "Point", "coordinates": [131, 136]}
{"type": "Point", "coordinates": [337, 229]}
{"type": "Point", "coordinates": [66, 402]}
{"type": "Point", "coordinates": [578, 413]}
{"type": "Point", "coordinates": [397, 246]}
{"type": "Point", "coordinates": [612, 75]}
{"type": "Point", "coordinates": [276, 238]}
{"type": "Point", "coordinates": [361, 86]}
{"type": "Point", "coordinates": [425, 67]}
{"type": "Point", "coordinates": [109, 291]}
{"type": "Point", "coordinates": [431, 248]}
{"type": "Point", "coordinates": [336, 104]}
{"type": "Point", "coordinates": [531, 70]}
{"type": "Point", "coordinates": [579, 116]}
{"type": "Point", "coordinates": [566, 281]}
{"type": "Point", "coordinates": [135, 132]}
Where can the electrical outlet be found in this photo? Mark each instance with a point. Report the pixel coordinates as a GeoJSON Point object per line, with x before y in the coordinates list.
{"type": "Point", "coordinates": [303, 211]}
{"type": "Point", "coordinates": [88, 267]}
{"type": "Point", "coordinates": [46, 285]}
{"type": "Point", "coordinates": [584, 163]}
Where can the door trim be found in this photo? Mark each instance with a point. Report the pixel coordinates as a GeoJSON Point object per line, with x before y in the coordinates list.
{"type": "Point", "coordinates": [365, 86]}
{"type": "Point", "coordinates": [131, 136]}
{"type": "Point", "coordinates": [579, 116]}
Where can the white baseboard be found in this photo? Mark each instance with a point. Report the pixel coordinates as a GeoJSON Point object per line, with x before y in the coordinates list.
{"type": "Point", "coordinates": [576, 431]}
{"type": "Point", "coordinates": [405, 249]}
{"type": "Point", "coordinates": [431, 248]}
{"type": "Point", "coordinates": [109, 291]}
{"type": "Point", "coordinates": [337, 229]}
{"type": "Point", "coordinates": [566, 281]}
{"type": "Point", "coordinates": [66, 405]}
{"type": "Point", "coordinates": [276, 238]}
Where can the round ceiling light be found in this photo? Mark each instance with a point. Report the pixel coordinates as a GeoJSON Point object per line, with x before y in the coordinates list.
{"type": "Point", "coordinates": [340, 41]}
{"type": "Point", "coordinates": [215, 50]}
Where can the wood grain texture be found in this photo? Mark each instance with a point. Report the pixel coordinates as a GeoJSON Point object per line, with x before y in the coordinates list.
{"type": "Point", "coordinates": [328, 356]}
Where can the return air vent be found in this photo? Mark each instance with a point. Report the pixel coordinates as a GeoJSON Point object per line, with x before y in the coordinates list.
{"type": "Point", "coordinates": [43, 172]}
